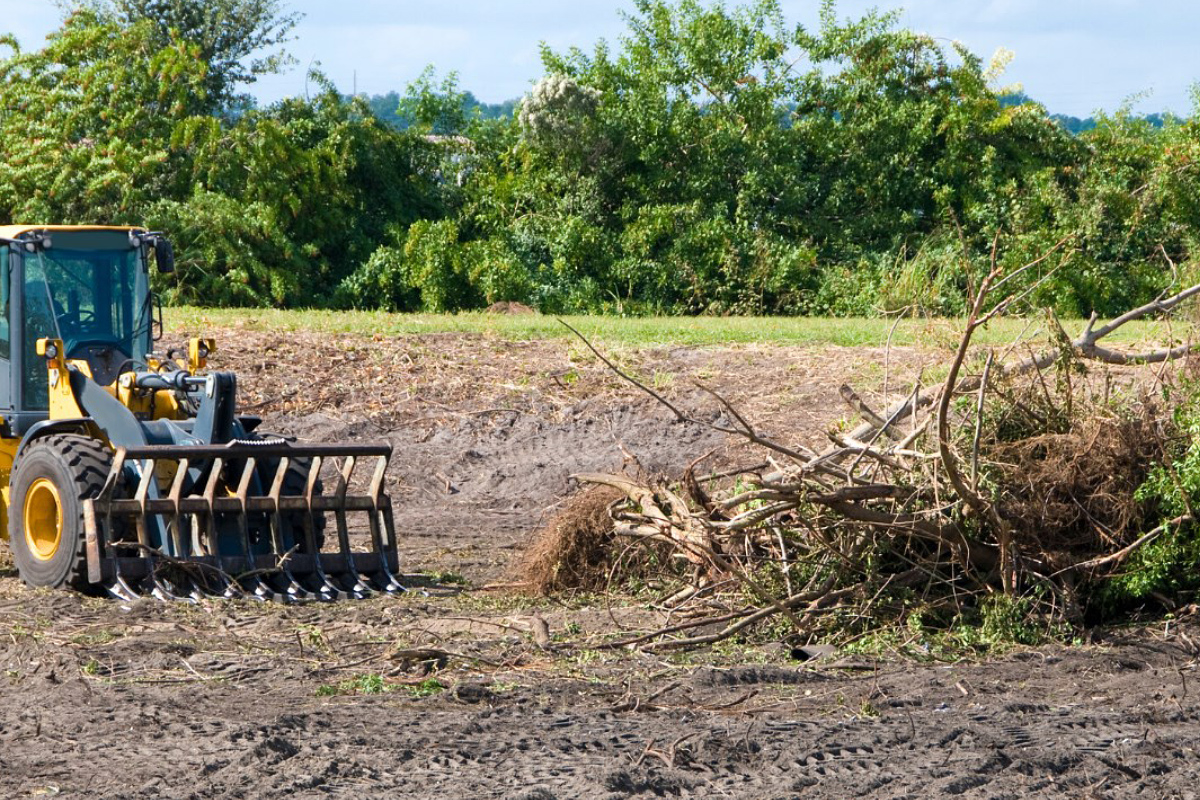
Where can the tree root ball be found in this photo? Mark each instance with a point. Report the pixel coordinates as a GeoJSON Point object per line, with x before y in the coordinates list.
{"type": "Point", "coordinates": [574, 550]}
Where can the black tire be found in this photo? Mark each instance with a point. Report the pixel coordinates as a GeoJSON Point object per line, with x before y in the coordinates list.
{"type": "Point", "coordinates": [76, 467]}
{"type": "Point", "coordinates": [294, 484]}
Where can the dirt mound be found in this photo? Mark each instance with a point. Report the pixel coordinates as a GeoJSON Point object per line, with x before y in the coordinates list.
{"type": "Point", "coordinates": [509, 307]}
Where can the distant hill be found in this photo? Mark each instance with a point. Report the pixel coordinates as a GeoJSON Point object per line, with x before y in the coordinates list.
{"type": "Point", "coordinates": [1075, 124]}
{"type": "Point", "coordinates": [386, 107]}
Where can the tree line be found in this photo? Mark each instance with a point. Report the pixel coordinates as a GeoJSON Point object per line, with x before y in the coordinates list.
{"type": "Point", "coordinates": [714, 160]}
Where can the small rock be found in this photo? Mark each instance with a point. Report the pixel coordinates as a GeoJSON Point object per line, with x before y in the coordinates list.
{"type": "Point", "coordinates": [812, 652]}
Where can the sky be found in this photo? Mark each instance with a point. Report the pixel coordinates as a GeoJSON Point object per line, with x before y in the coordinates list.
{"type": "Point", "coordinates": [1074, 56]}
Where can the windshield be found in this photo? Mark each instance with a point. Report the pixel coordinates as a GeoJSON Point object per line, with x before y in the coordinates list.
{"type": "Point", "coordinates": [89, 289]}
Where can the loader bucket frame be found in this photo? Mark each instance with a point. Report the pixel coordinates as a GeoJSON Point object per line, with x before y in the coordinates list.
{"type": "Point", "coordinates": [294, 568]}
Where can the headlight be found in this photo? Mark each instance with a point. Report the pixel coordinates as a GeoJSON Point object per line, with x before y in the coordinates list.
{"type": "Point", "coordinates": [51, 351]}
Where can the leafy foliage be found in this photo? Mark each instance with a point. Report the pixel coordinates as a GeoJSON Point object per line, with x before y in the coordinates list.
{"type": "Point", "coordinates": [288, 201]}
{"type": "Point", "coordinates": [724, 162]}
{"type": "Point", "coordinates": [229, 36]}
{"type": "Point", "coordinates": [88, 121]}
{"type": "Point", "coordinates": [716, 160]}
{"type": "Point", "coordinates": [1170, 564]}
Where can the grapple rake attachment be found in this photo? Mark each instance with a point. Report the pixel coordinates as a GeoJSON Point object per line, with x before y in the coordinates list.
{"type": "Point", "coordinates": [246, 519]}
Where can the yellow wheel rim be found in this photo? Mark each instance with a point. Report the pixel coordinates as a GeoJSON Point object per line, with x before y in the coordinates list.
{"type": "Point", "coordinates": [43, 519]}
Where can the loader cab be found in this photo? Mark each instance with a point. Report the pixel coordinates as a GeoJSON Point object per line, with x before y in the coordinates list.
{"type": "Point", "coordinates": [88, 287]}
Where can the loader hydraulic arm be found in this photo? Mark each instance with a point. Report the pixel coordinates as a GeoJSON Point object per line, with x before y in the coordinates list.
{"type": "Point", "coordinates": [177, 380]}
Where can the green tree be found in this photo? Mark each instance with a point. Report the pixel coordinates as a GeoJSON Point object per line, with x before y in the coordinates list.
{"type": "Point", "coordinates": [238, 40]}
{"type": "Point", "coordinates": [88, 119]}
{"type": "Point", "coordinates": [288, 200]}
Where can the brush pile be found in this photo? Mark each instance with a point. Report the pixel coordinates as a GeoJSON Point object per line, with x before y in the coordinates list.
{"type": "Point", "coordinates": [1011, 478]}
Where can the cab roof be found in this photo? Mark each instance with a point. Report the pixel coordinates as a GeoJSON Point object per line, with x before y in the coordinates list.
{"type": "Point", "coordinates": [15, 231]}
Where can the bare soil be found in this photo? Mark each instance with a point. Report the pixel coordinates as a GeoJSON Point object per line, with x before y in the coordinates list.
{"type": "Point", "coordinates": [444, 692]}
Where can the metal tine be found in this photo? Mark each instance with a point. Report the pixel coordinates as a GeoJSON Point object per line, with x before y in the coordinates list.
{"type": "Point", "coordinates": [384, 580]}
{"type": "Point", "coordinates": [231, 589]}
{"type": "Point", "coordinates": [215, 586]}
{"type": "Point", "coordinates": [294, 590]}
{"type": "Point", "coordinates": [359, 590]}
{"type": "Point", "coordinates": [158, 588]}
{"type": "Point", "coordinates": [273, 494]}
{"type": "Point", "coordinates": [195, 591]}
{"type": "Point", "coordinates": [163, 591]}
{"type": "Point", "coordinates": [254, 586]}
{"type": "Point", "coordinates": [145, 549]}
{"type": "Point", "coordinates": [117, 587]}
{"type": "Point", "coordinates": [389, 527]}
{"type": "Point", "coordinates": [325, 589]}
{"type": "Point", "coordinates": [175, 524]}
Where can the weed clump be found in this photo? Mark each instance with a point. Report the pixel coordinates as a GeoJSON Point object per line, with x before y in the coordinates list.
{"type": "Point", "coordinates": [372, 683]}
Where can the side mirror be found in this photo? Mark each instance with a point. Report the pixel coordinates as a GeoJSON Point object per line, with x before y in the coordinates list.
{"type": "Point", "coordinates": [164, 255]}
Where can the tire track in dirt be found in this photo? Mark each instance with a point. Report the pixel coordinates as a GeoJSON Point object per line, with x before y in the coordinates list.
{"type": "Point", "coordinates": [467, 494]}
{"type": "Point", "coordinates": [150, 702]}
{"type": "Point", "coordinates": [516, 753]}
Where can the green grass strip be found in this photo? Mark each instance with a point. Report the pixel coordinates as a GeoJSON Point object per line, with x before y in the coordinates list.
{"type": "Point", "coordinates": [649, 331]}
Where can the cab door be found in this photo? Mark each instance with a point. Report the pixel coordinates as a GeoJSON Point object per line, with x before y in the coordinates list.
{"type": "Point", "coordinates": [9, 265]}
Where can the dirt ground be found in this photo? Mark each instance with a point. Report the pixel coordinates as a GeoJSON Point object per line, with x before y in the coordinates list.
{"type": "Point", "coordinates": [444, 693]}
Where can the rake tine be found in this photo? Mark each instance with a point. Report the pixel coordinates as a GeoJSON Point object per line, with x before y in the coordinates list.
{"type": "Point", "coordinates": [251, 586]}
{"type": "Point", "coordinates": [161, 590]}
{"type": "Point", "coordinates": [208, 542]}
{"type": "Point", "coordinates": [263, 591]}
{"type": "Point", "coordinates": [147, 468]}
{"type": "Point", "coordinates": [384, 580]}
{"type": "Point", "coordinates": [226, 589]}
{"type": "Point", "coordinates": [230, 590]}
{"type": "Point", "coordinates": [176, 522]}
{"type": "Point", "coordinates": [324, 591]}
{"type": "Point", "coordinates": [359, 590]}
{"type": "Point", "coordinates": [243, 489]}
{"type": "Point", "coordinates": [292, 589]}
{"type": "Point", "coordinates": [118, 588]}
{"type": "Point", "coordinates": [297, 592]}
{"type": "Point", "coordinates": [196, 593]}
{"type": "Point", "coordinates": [273, 495]}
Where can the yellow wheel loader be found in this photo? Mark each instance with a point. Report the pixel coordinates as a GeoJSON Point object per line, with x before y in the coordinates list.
{"type": "Point", "coordinates": [128, 471]}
